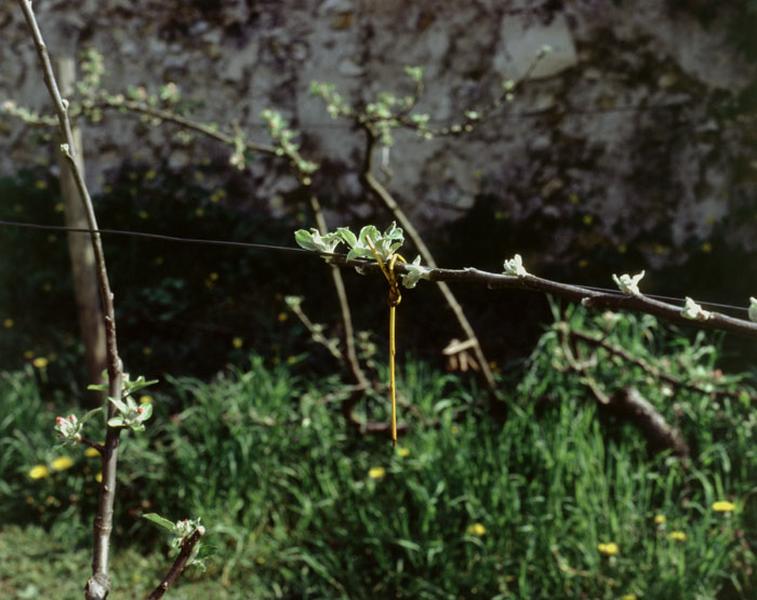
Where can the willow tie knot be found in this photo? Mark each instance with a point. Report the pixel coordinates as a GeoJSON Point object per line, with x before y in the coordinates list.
{"type": "Point", "coordinates": [393, 299]}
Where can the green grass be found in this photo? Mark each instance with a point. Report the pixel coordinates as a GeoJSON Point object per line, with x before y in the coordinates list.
{"type": "Point", "coordinates": [469, 508]}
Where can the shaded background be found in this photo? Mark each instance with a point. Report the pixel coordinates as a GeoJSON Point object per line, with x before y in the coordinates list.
{"type": "Point", "coordinates": [629, 148]}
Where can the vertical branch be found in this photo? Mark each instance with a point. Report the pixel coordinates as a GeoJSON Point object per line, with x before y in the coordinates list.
{"type": "Point", "coordinates": [83, 267]}
{"type": "Point", "coordinates": [98, 586]}
{"type": "Point", "coordinates": [341, 292]}
{"type": "Point", "coordinates": [383, 194]}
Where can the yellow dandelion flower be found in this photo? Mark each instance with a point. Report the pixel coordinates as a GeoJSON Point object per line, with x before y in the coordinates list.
{"type": "Point", "coordinates": [146, 399]}
{"type": "Point", "coordinates": [62, 463]}
{"type": "Point", "coordinates": [8, 323]}
{"type": "Point", "coordinates": [588, 219]}
{"type": "Point", "coordinates": [38, 472]}
{"type": "Point", "coordinates": [377, 473]}
{"type": "Point", "coordinates": [403, 452]}
{"type": "Point", "coordinates": [723, 506]}
{"type": "Point", "coordinates": [608, 549]}
{"type": "Point", "coordinates": [677, 536]}
{"type": "Point", "coordinates": [91, 453]}
{"type": "Point", "coordinates": [659, 519]}
{"type": "Point", "coordinates": [237, 342]}
{"type": "Point", "coordinates": [40, 362]}
{"type": "Point", "coordinates": [98, 477]}
{"type": "Point", "coordinates": [629, 597]}
{"type": "Point", "coordinates": [476, 529]}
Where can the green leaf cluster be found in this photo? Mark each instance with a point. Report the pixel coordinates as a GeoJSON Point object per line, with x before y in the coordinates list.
{"type": "Point", "coordinates": [369, 244]}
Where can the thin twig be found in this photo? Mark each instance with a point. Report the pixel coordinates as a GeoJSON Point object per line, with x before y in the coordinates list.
{"type": "Point", "coordinates": [98, 586]}
{"type": "Point", "coordinates": [645, 366]}
{"type": "Point", "coordinates": [383, 194]}
{"type": "Point", "coordinates": [315, 331]}
{"type": "Point", "coordinates": [177, 568]}
{"type": "Point", "coordinates": [344, 305]}
{"type": "Point", "coordinates": [92, 444]}
{"type": "Point", "coordinates": [474, 116]}
{"type": "Point", "coordinates": [171, 117]}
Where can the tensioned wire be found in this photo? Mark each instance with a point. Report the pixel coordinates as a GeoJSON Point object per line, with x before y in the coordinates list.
{"type": "Point", "coordinates": [291, 250]}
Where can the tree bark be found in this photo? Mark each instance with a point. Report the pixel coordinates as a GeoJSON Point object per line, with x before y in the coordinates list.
{"type": "Point", "coordinates": [629, 404]}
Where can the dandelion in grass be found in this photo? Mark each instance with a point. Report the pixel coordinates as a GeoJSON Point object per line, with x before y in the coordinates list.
{"type": "Point", "coordinates": [91, 453]}
{"type": "Point", "coordinates": [98, 477]}
{"type": "Point", "coordinates": [40, 362]}
{"type": "Point", "coordinates": [476, 529]}
{"type": "Point", "coordinates": [678, 536]}
{"type": "Point", "coordinates": [62, 463]}
{"type": "Point", "coordinates": [38, 472]}
{"type": "Point", "coordinates": [377, 473]}
{"type": "Point", "coordinates": [403, 452]}
{"type": "Point", "coordinates": [629, 597]}
{"type": "Point", "coordinates": [608, 549]}
{"type": "Point", "coordinates": [659, 520]}
{"type": "Point", "coordinates": [723, 506]}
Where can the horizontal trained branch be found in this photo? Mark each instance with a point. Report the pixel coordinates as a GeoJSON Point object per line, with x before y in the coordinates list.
{"type": "Point", "coordinates": [592, 298]}
{"type": "Point", "coordinates": [576, 293]}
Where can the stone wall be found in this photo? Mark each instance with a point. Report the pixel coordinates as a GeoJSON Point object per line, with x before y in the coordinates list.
{"type": "Point", "coordinates": [624, 135]}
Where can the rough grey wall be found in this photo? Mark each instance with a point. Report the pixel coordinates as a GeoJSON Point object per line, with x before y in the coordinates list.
{"type": "Point", "coordinates": [586, 138]}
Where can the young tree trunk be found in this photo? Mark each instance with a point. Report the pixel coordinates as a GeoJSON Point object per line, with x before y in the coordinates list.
{"type": "Point", "coordinates": [83, 267]}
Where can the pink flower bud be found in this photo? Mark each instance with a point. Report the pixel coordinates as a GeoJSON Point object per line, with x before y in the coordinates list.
{"type": "Point", "coordinates": [59, 421]}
